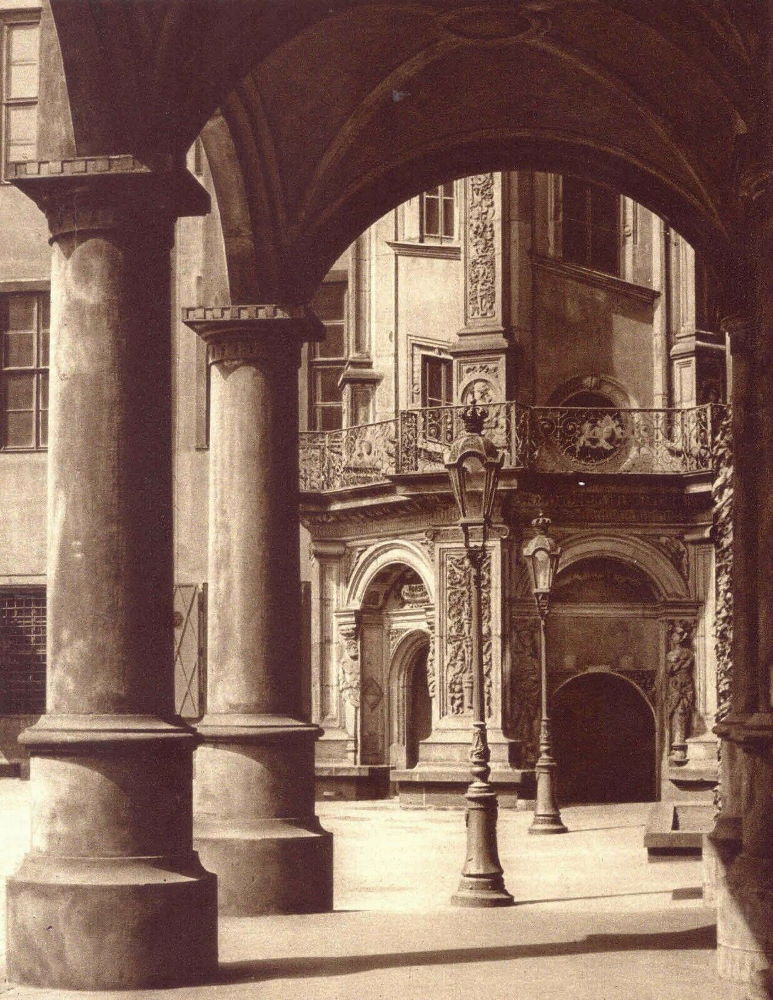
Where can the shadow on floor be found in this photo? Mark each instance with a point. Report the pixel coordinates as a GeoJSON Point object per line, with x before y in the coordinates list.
{"type": "Point", "coordinates": [698, 938]}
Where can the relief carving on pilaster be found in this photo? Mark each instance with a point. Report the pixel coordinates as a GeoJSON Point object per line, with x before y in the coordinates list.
{"type": "Point", "coordinates": [349, 663]}
{"type": "Point", "coordinates": [431, 674]}
{"type": "Point", "coordinates": [526, 690]}
{"type": "Point", "coordinates": [679, 682]}
{"type": "Point", "coordinates": [458, 665]}
{"type": "Point", "coordinates": [722, 536]}
{"type": "Point", "coordinates": [481, 250]}
{"type": "Point", "coordinates": [395, 635]}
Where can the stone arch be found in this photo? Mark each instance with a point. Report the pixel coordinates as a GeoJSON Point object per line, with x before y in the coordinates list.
{"type": "Point", "coordinates": [384, 554]}
{"type": "Point", "coordinates": [401, 666]}
{"type": "Point", "coordinates": [605, 385]}
{"type": "Point", "coordinates": [668, 581]}
{"type": "Point", "coordinates": [613, 673]}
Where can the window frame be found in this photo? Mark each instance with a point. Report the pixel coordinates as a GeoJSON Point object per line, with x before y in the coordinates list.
{"type": "Point", "coordinates": [38, 371]}
{"type": "Point", "coordinates": [589, 227]}
{"type": "Point", "coordinates": [317, 364]}
{"type": "Point", "coordinates": [438, 194]}
{"type": "Point", "coordinates": [10, 19]}
{"type": "Point", "coordinates": [447, 379]}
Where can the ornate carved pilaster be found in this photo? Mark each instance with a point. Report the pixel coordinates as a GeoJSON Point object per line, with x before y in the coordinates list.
{"type": "Point", "coordinates": [481, 260]}
{"type": "Point", "coordinates": [431, 670]}
{"type": "Point", "coordinates": [349, 663]}
{"type": "Point", "coordinates": [458, 669]}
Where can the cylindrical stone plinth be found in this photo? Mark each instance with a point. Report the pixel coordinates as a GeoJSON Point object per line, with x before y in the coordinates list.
{"type": "Point", "coordinates": [254, 819]}
{"type": "Point", "coordinates": [111, 894]}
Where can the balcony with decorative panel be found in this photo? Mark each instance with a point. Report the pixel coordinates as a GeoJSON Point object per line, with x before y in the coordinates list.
{"type": "Point", "coordinates": [539, 440]}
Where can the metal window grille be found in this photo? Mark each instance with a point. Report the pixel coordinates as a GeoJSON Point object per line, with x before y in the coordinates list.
{"type": "Point", "coordinates": [23, 652]}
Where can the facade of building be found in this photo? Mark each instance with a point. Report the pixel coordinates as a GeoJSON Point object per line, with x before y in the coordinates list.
{"type": "Point", "coordinates": [575, 317]}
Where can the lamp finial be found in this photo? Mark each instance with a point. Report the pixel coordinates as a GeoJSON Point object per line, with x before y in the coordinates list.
{"type": "Point", "coordinates": [541, 523]}
{"type": "Point", "coordinates": [473, 417]}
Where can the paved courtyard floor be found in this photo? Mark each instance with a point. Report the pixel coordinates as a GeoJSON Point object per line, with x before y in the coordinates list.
{"type": "Point", "coordinates": [594, 920]}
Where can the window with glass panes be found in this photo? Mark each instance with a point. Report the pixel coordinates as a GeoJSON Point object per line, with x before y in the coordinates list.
{"type": "Point", "coordinates": [436, 386]}
{"type": "Point", "coordinates": [24, 321]}
{"type": "Point", "coordinates": [328, 358]}
{"type": "Point", "coordinates": [437, 213]}
{"type": "Point", "coordinates": [20, 91]}
{"type": "Point", "coordinates": [590, 228]}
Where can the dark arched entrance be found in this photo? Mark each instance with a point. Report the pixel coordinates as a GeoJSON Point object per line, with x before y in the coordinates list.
{"type": "Point", "coordinates": [418, 722]}
{"type": "Point", "coordinates": [604, 740]}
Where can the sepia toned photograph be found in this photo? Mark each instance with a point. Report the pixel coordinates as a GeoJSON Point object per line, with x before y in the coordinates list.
{"type": "Point", "coordinates": [386, 463]}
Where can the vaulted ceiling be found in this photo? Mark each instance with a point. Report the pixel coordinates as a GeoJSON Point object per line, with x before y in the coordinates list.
{"type": "Point", "coordinates": [324, 115]}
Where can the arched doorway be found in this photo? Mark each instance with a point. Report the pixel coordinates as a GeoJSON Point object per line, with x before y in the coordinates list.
{"type": "Point", "coordinates": [418, 706]}
{"type": "Point", "coordinates": [604, 740]}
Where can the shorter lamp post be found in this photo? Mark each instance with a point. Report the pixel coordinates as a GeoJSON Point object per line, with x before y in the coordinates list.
{"type": "Point", "coordinates": [473, 463]}
{"type": "Point", "coordinates": [542, 554]}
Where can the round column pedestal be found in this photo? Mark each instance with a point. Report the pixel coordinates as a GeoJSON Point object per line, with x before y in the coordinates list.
{"type": "Point", "coordinates": [255, 825]}
{"type": "Point", "coordinates": [111, 894]}
{"type": "Point", "coordinates": [102, 924]}
{"type": "Point", "coordinates": [745, 924]}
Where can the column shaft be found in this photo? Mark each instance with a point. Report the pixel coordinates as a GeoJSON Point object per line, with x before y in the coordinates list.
{"type": "Point", "coordinates": [254, 789]}
{"type": "Point", "coordinates": [110, 764]}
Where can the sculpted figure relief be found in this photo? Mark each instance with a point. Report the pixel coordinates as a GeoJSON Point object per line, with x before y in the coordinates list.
{"type": "Point", "coordinates": [680, 682]}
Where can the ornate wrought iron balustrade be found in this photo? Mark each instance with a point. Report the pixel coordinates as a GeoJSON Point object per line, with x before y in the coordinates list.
{"type": "Point", "coordinates": [618, 441]}
{"type": "Point", "coordinates": [355, 456]}
{"type": "Point", "coordinates": [542, 439]}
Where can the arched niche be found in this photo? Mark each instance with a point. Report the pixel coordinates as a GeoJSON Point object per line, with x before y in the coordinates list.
{"type": "Point", "coordinates": [406, 688]}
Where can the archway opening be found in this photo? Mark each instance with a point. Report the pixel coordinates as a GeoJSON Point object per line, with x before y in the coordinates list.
{"type": "Point", "coordinates": [418, 714]}
{"type": "Point", "coordinates": [604, 740]}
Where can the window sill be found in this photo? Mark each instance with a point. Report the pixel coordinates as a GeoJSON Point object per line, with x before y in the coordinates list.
{"type": "Point", "coordinates": [439, 251]}
{"type": "Point", "coordinates": [596, 279]}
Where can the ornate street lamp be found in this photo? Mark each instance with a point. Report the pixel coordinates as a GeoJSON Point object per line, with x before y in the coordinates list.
{"type": "Point", "coordinates": [542, 554]}
{"type": "Point", "coordinates": [473, 464]}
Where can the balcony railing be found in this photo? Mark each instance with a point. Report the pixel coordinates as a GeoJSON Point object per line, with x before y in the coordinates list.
{"type": "Point", "coordinates": [557, 439]}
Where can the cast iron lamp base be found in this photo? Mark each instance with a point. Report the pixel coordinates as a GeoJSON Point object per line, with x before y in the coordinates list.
{"type": "Point", "coordinates": [547, 816]}
{"type": "Point", "coordinates": [482, 883]}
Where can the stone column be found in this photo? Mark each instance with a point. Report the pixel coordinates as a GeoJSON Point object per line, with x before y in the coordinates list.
{"type": "Point", "coordinates": [745, 899]}
{"type": "Point", "coordinates": [111, 894]}
{"type": "Point", "coordinates": [255, 824]}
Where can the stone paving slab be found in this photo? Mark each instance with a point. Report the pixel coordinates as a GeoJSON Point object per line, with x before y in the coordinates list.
{"type": "Point", "coordinates": [594, 920]}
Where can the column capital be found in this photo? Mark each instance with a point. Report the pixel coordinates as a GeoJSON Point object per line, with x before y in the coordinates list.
{"type": "Point", "coordinates": [263, 332]}
{"type": "Point", "coordinates": [98, 193]}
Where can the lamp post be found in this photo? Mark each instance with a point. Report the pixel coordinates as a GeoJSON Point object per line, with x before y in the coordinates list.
{"type": "Point", "coordinates": [473, 464]}
{"type": "Point", "coordinates": [542, 554]}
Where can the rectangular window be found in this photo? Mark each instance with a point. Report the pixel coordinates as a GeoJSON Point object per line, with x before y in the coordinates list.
{"type": "Point", "coordinates": [328, 358]}
{"type": "Point", "coordinates": [20, 91]}
{"type": "Point", "coordinates": [437, 213]}
{"type": "Point", "coordinates": [436, 378]}
{"type": "Point", "coordinates": [24, 323]}
{"type": "Point", "coordinates": [591, 226]}
{"type": "Point", "coordinates": [23, 651]}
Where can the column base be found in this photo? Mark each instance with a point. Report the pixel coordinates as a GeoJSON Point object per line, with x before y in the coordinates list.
{"type": "Point", "coordinates": [254, 820]}
{"type": "Point", "coordinates": [745, 922]}
{"type": "Point", "coordinates": [281, 867]}
{"type": "Point", "coordinates": [111, 924]}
